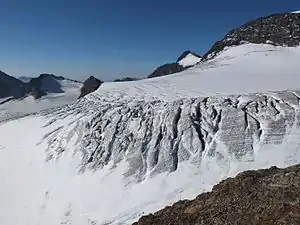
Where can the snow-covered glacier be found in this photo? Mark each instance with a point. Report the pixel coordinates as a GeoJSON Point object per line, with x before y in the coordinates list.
{"type": "Point", "coordinates": [132, 148]}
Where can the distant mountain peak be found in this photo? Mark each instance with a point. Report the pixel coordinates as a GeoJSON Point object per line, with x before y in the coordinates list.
{"type": "Point", "coordinates": [186, 53]}
{"type": "Point", "coordinates": [45, 83]}
{"type": "Point", "coordinates": [186, 60]}
{"type": "Point", "coordinates": [126, 79]}
{"type": "Point", "coordinates": [42, 75]}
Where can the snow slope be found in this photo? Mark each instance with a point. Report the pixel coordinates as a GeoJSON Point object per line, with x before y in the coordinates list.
{"type": "Point", "coordinates": [132, 148]}
{"type": "Point", "coordinates": [28, 105]}
{"type": "Point", "coordinates": [243, 69]}
{"type": "Point", "coordinates": [189, 60]}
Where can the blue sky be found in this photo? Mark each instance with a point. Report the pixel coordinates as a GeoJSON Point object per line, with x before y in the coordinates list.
{"type": "Point", "coordinates": [115, 38]}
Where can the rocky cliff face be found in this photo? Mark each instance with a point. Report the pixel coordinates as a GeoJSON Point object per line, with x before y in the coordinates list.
{"type": "Point", "coordinates": [278, 29]}
{"type": "Point", "coordinates": [89, 86]}
{"type": "Point", "coordinates": [252, 198]}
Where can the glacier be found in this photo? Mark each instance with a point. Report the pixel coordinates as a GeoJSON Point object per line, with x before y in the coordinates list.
{"type": "Point", "coordinates": [19, 108]}
{"type": "Point", "coordinates": [132, 148]}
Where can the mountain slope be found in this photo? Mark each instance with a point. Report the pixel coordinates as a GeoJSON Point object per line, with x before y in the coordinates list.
{"type": "Point", "coordinates": [11, 87]}
{"type": "Point", "coordinates": [47, 84]}
{"type": "Point", "coordinates": [44, 92]}
{"type": "Point", "coordinates": [188, 59]}
{"type": "Point", "coordinates": [274, 192]}
{"type": "Point", "coordinates": [231, 72]}
{"type": "Point", "coordinates": [278, 29]}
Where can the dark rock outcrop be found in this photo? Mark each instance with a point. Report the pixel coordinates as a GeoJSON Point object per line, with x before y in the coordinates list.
{"type": "Point", "coordinates": [166, 69]}
{"type": "Point", "coordinates": [11, 86]}
{"type": "Point", "coordinates": [125, 79]}
{"type": "Point", "coordinates": [263, 197]}
{"type": "Point", "coordinates": [278, 29]}
{"type": "Point", "coordinates": [89, 86]}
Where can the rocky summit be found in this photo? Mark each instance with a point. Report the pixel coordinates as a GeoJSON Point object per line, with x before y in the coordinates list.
{"type": "Point", "coordinates": [277, 29]}
{"type": "Point", "coordinates": [166, 69]}
{"type": "Point", "coordinates": [90, 85]}
{"type": "Point", "coordinates": [263, 197]}
{"type": "Point", "coordinates": [186, 60]}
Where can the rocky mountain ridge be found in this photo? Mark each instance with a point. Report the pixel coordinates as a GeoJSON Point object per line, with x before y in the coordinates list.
{"type": "Point", "coordinates": [37, 87]}
{"type": "Point", "coordinates": [281, 29]}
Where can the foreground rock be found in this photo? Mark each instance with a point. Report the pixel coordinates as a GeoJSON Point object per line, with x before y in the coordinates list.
{"type": "Point", "coordinates": [89, 86]}
{"type": "Point", "coordinates": [278, 29]}
{"type": "Point", "coordinates": [260, 197]}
